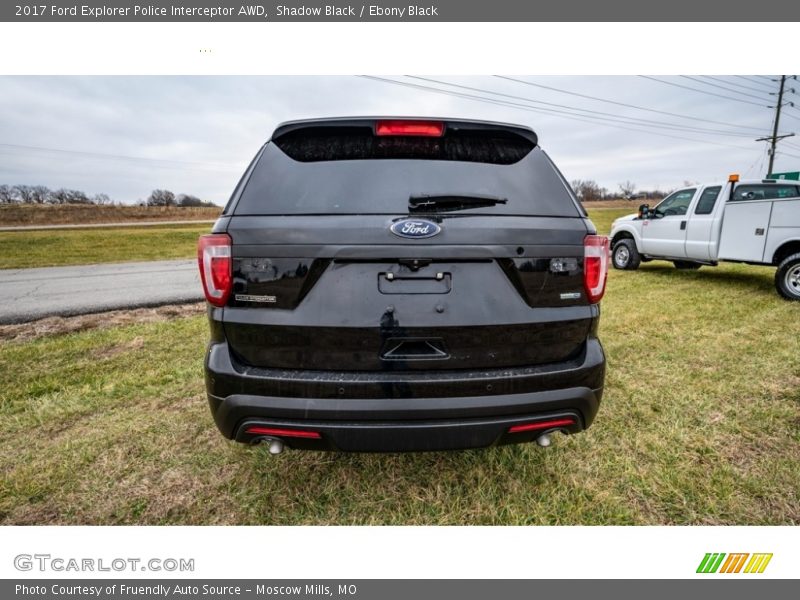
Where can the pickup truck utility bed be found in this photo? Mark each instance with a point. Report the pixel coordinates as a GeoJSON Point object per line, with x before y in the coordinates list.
{"type": "Point", "coordinates": [754, 222]}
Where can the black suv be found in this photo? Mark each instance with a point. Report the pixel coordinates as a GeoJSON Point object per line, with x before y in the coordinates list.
{"type": "Point", "coordinates": [402, 284]}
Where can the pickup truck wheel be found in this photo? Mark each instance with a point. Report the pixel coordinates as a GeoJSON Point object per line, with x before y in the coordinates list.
{"type": "Point", "coordinates": [787, 277]}
{"type": "Point", "coordinates": [625, 255]}
{"type": "Point", "coordinates": [686, 264]}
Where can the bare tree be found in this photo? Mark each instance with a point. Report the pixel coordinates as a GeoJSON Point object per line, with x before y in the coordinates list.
{"type": "Point", "coordinates": [188, 200]}
{"type": "Point", "coordinates": [77, 197]}
{"type": "Point", "coordinates": [39, 194]}
{"type": "Point", "coordinates": [59, 196]}
{"type": "Point", "coordinates": [627, 189]}
{"type": "Point", "coordinates": [655, 194]}
{"type": "Point", "coordinates": [101, 199]}
{"type": "Point", "coordinates": [7, 194]}
{"type": "Point", "coordinates": [587, 190]}
{"type": "Point", "coordinates": [24, 193]}
{"type": "Point", "coordinates": [161, 198]}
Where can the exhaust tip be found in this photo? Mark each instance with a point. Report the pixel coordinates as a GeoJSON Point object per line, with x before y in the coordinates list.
{"type": "Point", "coordinates": [274, 445]}
{"type": "Point", "coordinates": [544, 440]}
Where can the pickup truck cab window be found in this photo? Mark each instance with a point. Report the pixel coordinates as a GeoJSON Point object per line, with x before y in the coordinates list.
{"type": "Point", "coordinates": [764, 192]}
{"type": "Point", "coordinates": [705, 205]}
{"type": "Point", "coordinates": [676, 204]}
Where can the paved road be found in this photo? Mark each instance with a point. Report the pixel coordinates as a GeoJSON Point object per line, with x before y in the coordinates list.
{"type": "Point", "coordinates": [28, 294]}
{"type": "Point", "coordinates": [101, 225]}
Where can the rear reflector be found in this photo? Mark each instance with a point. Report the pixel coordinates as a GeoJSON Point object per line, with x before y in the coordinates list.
{"type": "Point", "coordinates": [541, 425]}
{"type": "Point", "coordinates": [214, 260]}
{"type": "Point", "coordinates": [410, 128]}
{"type": "Point", "coordinates": [292, 433]}
{"type": "Point", "coordinates": [595, 266]}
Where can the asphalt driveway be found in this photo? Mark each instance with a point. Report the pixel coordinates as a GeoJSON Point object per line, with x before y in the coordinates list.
{"type": "Point", "coordinates": [29, 294]}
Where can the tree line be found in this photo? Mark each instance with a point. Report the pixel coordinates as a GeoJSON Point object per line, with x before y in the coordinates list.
{"type": "Point", "coordinates": [41, 194]}
{"type": "Point", "coordinates": [167, 198]}
{"type": "Point", "coordinates": [589, 190]}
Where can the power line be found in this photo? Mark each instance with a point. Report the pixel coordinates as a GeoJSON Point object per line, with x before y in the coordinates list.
{"type": "Point", "coordinates": [792, 115]}
{"type": "Point", "coordinates": [725, 81]}
{"type": "Point", "coordinates": [762, 155]}
{"type": "Point", "coordinates": [751, 80]}
{"type": "Point", "coordinates": [614, 116]}
{"type": "Point", "coordinates": [722, 87]}
{"type": "Point", "coordinates": [546, 111]}
{"type": "Point", "coordinates": [160, 161]}
{"type": "Point", "coordinates": [775, 137]}
{"type": "Point", "coordinates": [686, 87]}
{"type": "Point", "coordinates": [653, 110]}
{"type": "Point", "coordinates": [763, 159]}
{"type": "Point", "coordinates": [612, 119]}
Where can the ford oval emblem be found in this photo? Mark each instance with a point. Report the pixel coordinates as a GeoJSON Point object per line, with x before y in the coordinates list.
{"type": "Point", "coordinates": [415, 228]}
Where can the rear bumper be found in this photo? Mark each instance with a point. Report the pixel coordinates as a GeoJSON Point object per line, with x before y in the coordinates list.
{"type": "Point", "coordinates": [402, 410]}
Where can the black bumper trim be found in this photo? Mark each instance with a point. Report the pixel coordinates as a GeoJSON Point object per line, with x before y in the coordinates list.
{"type": "Point", "coordinates": [405, 436]}
{"type": "Point", "coordinates": [458, 407]}
{"type": "Point", "coordinates": [229, 413]}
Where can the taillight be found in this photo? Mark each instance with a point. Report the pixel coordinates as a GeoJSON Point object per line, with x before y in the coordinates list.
{"type": "Point", "coordinates": [595, 266]}
{"type": "Point", "coordinates": [410, 128]}
{"type": "Point", "coordinates": [214, 260]}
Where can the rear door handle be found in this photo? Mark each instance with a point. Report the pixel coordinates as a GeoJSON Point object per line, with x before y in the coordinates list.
{"type": "Point", "coordinates": [683, 225]}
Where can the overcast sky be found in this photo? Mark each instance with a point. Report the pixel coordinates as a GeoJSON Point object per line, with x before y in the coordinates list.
{"type": "Point", "coordinates": [125, 136]}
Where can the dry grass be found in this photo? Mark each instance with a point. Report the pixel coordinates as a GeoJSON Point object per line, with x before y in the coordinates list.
{"type": "Point", "coordinates": [60, 325]}
{"type": "Point", "coordinates": [633, 205]}
{"type": "Point", "coordinates": [71, 214]}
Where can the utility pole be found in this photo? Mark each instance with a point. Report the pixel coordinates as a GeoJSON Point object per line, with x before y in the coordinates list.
{"type": "Point", "coordinates": [774, 138]}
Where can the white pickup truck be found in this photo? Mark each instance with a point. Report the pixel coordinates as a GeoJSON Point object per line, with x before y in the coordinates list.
{"type": "Point", "coordinates": [754, 222]}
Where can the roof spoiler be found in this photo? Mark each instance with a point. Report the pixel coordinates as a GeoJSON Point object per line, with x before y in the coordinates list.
{"type": "Point", "coordinates": [449, 124]}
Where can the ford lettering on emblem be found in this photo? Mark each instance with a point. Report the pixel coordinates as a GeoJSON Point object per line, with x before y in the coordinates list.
{"type": "Point", "coordinates": [415, 228]}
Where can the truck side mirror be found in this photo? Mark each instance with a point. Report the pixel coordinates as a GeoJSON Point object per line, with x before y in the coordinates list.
{"type": "Point", "coordinates": [644, 211]}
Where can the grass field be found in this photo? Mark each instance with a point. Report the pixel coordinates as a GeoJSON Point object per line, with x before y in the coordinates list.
{"type": "Point", "coordinates": [107, 423]}
{"type": "Point", "coordinates": [20, 249]}
{"type": "Point", "coordinates": [49, 248]}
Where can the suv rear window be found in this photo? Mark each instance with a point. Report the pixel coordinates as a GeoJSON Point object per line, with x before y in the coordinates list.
{"type": "Point", "coordinates": [326, 175]}
{"type": "Point", "coordinates": [314, 144]}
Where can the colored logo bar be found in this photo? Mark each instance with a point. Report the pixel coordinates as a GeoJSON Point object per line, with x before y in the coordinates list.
{"type": "Point", "coordinates": [737, 562]}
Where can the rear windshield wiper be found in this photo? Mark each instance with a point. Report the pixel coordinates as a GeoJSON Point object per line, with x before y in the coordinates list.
{"type": "Point", "coordinates": [449, 202]}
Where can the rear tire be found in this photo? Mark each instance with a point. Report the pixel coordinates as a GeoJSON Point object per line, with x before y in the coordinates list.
{"type": "Point", "coordinates": [625, 255]}
{"type": "Point", "coordinates": [686, 264]}
{"type": "Point", "coordinates": [787, 277]}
